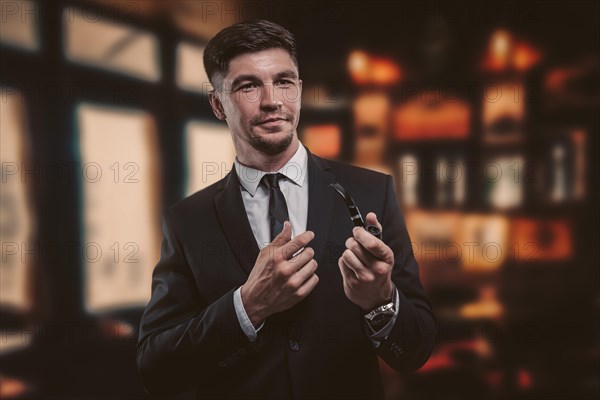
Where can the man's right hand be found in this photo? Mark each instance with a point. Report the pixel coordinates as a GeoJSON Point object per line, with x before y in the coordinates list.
{"type": "Point", "coordinates": [278, 281]}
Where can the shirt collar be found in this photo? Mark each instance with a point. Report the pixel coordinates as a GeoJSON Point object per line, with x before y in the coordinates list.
{"type": "Point", "coordinates": [294, 170]}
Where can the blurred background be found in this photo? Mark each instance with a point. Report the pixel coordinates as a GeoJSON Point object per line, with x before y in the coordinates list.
{"type": "Point", "coordinates": [485, 113]}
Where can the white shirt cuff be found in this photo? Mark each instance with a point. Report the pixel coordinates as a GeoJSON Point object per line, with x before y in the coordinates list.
{"type": "Point", "coordinates": [245, 322]}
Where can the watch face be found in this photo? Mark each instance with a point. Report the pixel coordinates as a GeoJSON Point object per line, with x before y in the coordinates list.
{"type": "Point", "coordinates": [379, 318]}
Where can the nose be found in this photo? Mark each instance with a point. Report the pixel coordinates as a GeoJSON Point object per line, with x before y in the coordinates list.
{"type": "Point", "coordinates": [268, 100]}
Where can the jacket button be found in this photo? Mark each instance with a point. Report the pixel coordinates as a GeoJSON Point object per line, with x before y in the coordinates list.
{"type": "Point", "coordinates": [294, 346]}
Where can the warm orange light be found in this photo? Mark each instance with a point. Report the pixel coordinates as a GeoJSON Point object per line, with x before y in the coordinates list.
{"type": "Point", "coordinates": [372, 109]}
{"type": "Point", "coordinates": [384, 72]}
{"type": "Point", "coordinates": [323, 140]}
{"type": "Point", "coordinates": [503, 112]}
{"type": "Point", "coordinates": [358, 64]}
{"type": "Point", "coordinates": [365, 69]}
{"type": "Point", "coordinates": [499, 51]}
{"type": "Point", "coordinates": [484, 242]}
{"type": "Point", "coordinates": [538, 240]}
{"type": "Point", "coordinates": [438, 361]}
{"type": "Point", "coordinates": [443, 356]}
{"type": "Point", "coordinates": [12, 387]}
{"type": "Point", "coordinates": [420, 119]}
{"type": "Point", "coordinates": [525, 57]}
{"type": "Point", "coordinates": [505, 52]}
{"type": "Point", "coordinates": [486, 307]}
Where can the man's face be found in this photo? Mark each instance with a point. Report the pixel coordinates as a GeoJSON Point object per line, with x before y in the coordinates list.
{"type": "Point", "coordinates": [260, 100]}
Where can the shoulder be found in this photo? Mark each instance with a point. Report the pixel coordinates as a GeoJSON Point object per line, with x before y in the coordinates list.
{"type": "Point", "coordinates": [198, 202]}
{"type": "Point", "coordinates": [352, 175]}
{"type": "Point", "coordinates": [370, 190]}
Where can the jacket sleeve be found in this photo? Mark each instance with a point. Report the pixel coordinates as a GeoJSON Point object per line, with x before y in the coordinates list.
{"type": "Point", "coordinates": [411, 340]}
{"type": "Point", "coordinates": [184, 340]}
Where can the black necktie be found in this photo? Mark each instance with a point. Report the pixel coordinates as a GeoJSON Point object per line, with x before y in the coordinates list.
{"type": "Point", "coordinates": [278, 212]}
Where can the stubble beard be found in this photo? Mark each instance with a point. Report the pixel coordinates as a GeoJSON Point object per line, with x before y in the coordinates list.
{"type": "Point", "coordinates": [272, 147]}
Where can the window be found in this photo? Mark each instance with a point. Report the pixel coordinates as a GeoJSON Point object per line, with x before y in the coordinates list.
{"type": "Point", "coordinates": [121, 203]}
{"type": "Point", "coordinates": [16, 213]}
{"type": "Point", "coordinates": [18, 24]}
{"type": "Point", "coordinates": [91, 40]}
{"type": "Point", "coordinates": [190, 68]}
{"type": "Point", "coordinates": [210, 154]}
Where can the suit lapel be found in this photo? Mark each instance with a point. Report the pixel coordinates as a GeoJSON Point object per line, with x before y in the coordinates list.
{"type": "Point", "coordinates": [234, 221]}
{"type": "Point", "coordinates": [320, 201]}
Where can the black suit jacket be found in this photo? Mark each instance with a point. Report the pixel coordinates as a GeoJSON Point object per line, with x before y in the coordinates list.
{"type": "Point", "coordinates": [190, 337]}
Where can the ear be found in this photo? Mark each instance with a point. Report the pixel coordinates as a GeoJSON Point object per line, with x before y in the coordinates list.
{"type": "Point", "coordinates": [216, 105]}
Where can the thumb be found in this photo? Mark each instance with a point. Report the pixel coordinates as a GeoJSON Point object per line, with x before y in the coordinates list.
{"type": "Point", "coordinates": [284, 236]}
{"type": "Point", "coordinates": [372, 220]}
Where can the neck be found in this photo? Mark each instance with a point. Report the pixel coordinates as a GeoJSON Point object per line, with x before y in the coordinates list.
{"type": "Point", "coordinates": [269, 163]}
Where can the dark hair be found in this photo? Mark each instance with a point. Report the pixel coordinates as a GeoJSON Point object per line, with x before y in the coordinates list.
{"type": "Point", "coordinates": [244, 37]}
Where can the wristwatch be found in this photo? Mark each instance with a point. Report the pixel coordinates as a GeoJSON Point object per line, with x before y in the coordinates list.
{"type": "Point", "coordinates": [381, 315]}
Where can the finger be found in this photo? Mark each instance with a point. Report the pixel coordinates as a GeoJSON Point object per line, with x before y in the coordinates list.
{"type": "Point", "coordinates": [372, 220]}
{"type": "Point", "coordinates": [304, 273]}
{"type": "Point", "coordinates": [351, 261]}
{"type": "Point", "coordinates": [347, 273]}
{"type": "Point", "coordinates": [284, 236]}
{"type": "Point", "coordinates": [363, 255]}
{"type": "Point", "coordinates": [308, 286]}
{"type": "Point", "coordinates": [300, 259]}
{"type": "Point", "coordinates": [300, 241]}
{"type": "Point", "coordinates": [373, 245]}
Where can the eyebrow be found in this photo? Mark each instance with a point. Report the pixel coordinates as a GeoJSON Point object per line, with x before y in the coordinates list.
{"type": "Point", "coordinates": [288, 73]}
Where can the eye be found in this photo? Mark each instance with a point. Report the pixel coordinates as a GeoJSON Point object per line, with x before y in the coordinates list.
{"type": "Point", "coordinates": [284, 83]}
{"type": "Point", "coordinates": [248, 87]}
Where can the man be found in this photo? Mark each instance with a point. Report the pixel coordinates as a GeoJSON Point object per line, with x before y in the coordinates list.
{"type": "Point", "coordinates": [264, 289]}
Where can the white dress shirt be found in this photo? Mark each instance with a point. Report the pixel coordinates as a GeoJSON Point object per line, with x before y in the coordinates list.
{"type": "Point", "coordinates": [256, 201]}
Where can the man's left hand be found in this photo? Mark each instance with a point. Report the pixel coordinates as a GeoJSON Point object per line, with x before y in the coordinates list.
{"type": "Point", "coordinates": [366, 267]}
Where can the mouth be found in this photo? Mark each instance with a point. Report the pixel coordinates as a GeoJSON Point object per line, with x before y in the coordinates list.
{"type": "Point", "coordinates": [269, 122]}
